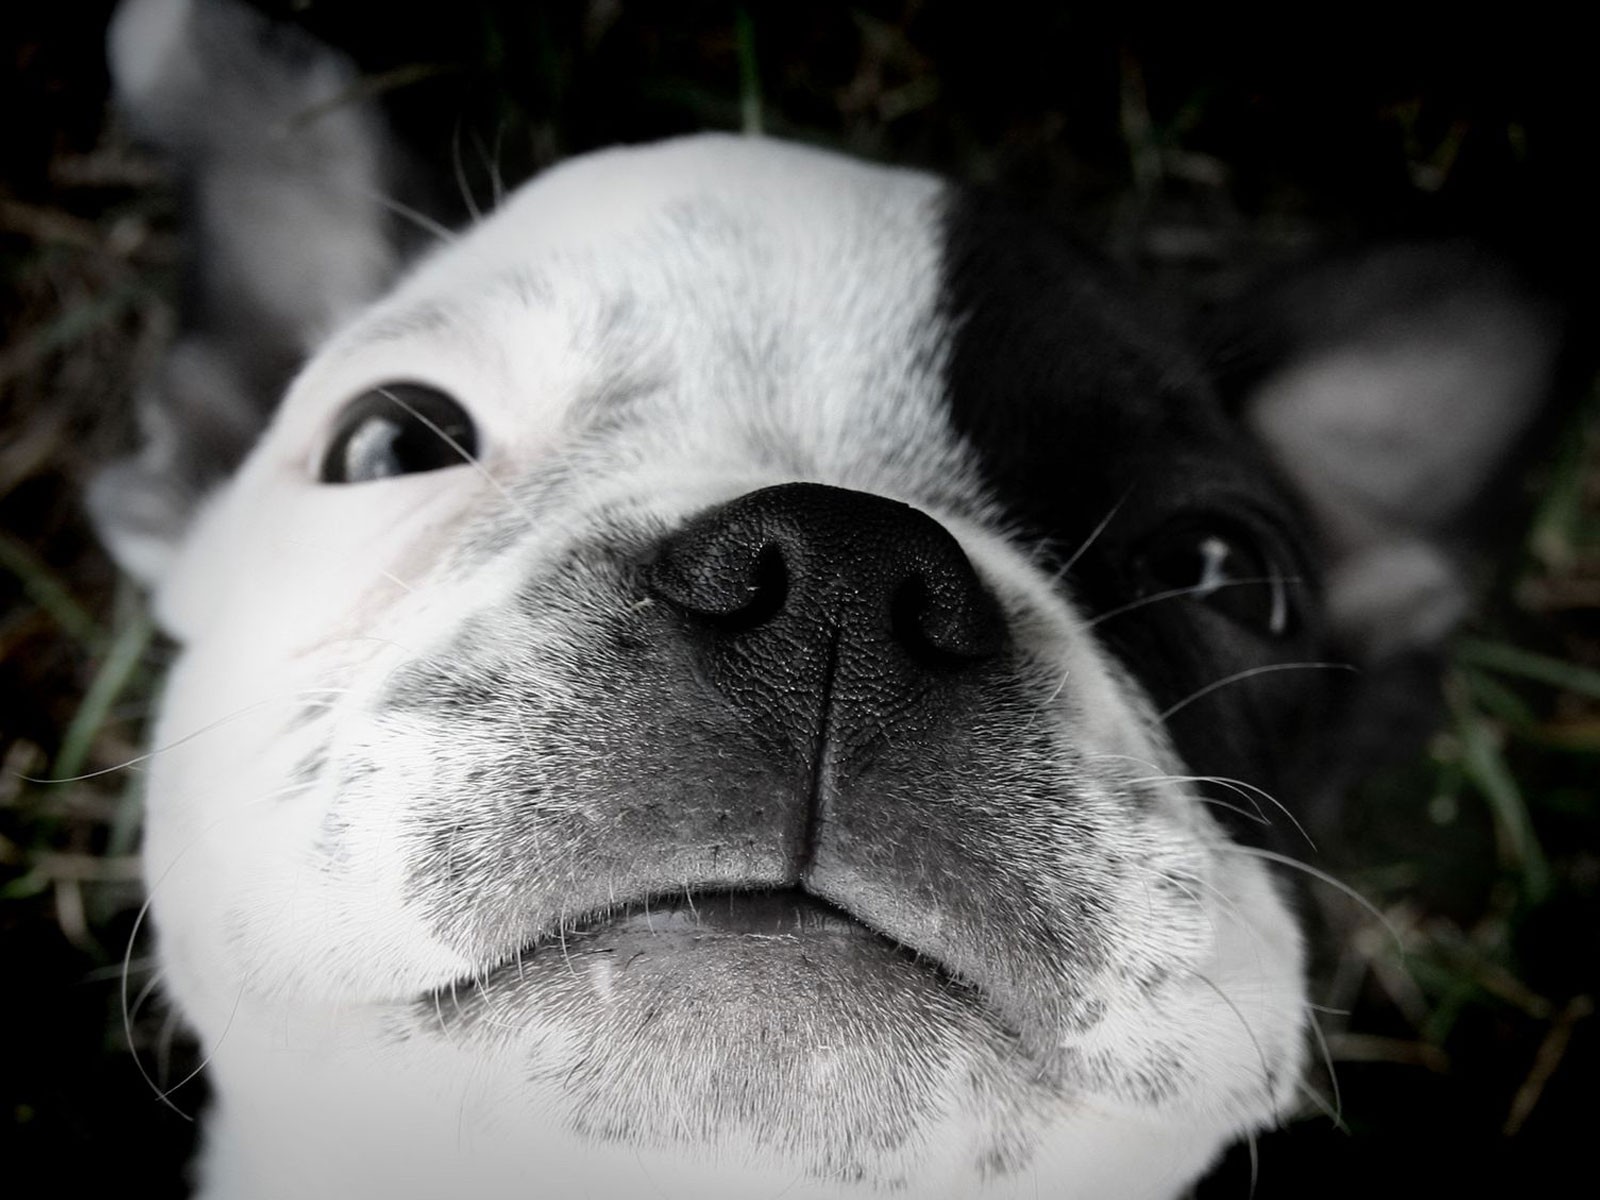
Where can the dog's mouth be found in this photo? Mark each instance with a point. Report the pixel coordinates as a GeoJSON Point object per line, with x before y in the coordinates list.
{"type": "Point", "coordinates": [697, 930]}
{"type": "Point", "coordinates": [766, 912]}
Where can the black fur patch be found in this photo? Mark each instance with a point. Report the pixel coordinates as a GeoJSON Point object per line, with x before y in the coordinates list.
{"type": "Point", "coordinates": [1097, 429]}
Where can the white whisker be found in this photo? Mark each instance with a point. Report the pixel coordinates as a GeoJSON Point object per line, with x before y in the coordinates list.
{"type": "Point", "coordinates": [138, 759]}
{"type": "Point", "coordinates": [1094, 535]}
{"type": "Point", "coordinates": [1327, 1059]}
{"type": "Point", "coordinates": [467, 457]}
{"type": "Point", "coordinates": [1247, 790]}
{"type": "Point", "coordinates": [1294, 864]}
{"type": "Point", "coordinates": [420, 219]}
{"type": "Point", "coordinates": [459, 169]}
{"type": "Point", "coordinates": [1322, 1104]}
{"type": "Point", "coordinates": [1249, 1031]}
{"type": "Point", "coordinates": [1251, 673]}
{"type": "Point", "coordinates": [1199, 589]}
{"type": "Point", "coordinates": [490, 158]}
{"type": "Point", "coordinates": [205, 1061]}
{"type": "Point", "coordinates": [130, 1008]}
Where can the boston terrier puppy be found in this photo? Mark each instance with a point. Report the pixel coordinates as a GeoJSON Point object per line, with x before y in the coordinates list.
{"type": "Point", "coordinates": [749, 673]}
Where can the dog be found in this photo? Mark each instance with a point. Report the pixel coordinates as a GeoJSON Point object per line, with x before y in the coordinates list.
{"type": "Point", "coordinates": [748, 672]}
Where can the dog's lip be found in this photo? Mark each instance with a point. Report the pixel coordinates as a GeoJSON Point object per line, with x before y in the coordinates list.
{"type": "Point", "coordinates": [753, 912]}
{"type": "Point", "coordinates": [687, 916]}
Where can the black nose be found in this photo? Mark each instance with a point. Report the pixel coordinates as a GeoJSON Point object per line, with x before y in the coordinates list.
{"type": "Point", "coordinates": [816, 565]}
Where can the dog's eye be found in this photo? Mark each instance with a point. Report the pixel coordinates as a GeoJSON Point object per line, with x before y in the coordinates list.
{"type": "Point", "coordinates": [398, 429]}
{"type": "Point", "coordinates": [1221, 567]}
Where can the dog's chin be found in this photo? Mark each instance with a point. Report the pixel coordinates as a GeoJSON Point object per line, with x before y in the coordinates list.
{"type": "Point", "coordinates": [767, 1018]}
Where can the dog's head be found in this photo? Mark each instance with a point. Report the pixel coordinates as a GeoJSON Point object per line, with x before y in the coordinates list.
{"type": "Point", "coordinates": [750, 668]}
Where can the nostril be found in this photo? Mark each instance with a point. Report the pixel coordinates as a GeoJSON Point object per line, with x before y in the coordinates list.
{"type": "Point", "coordinates": [767, 592]}
{"type": "Point", "coordinates": [732, 588]}
{"type": "Point", "coordinates": [944, 624]}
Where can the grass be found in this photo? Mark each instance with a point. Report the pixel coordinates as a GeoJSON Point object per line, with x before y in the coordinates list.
{"type": "Point", "coordinates": [1493, 986]}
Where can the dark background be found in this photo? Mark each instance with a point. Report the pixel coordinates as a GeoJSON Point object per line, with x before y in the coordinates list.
{"type": "Point", "coordinates": [1193, 152]}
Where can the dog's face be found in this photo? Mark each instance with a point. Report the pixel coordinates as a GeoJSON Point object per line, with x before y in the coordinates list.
{"type": "Point", "coordinates": [751, 672]}
{"type": "Point", "coordinates": [663, 696]}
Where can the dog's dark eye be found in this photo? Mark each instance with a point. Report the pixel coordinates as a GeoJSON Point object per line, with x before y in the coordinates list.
{"type": "Point", "coordinates": [1223, 568]}
{"type": "Point", "coordinates": [398, 429]}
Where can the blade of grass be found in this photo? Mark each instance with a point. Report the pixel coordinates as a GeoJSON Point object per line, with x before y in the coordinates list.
{"type": "Point", "coordinates": [35, 883]}
{"type": "Point", "coordinates": [123, 828]}
{"type": "Point", "coordinates": [46, 589]}
{"type": "Point", "coordinates": [1486, 767]}
{"type": "Point", "coordinates": [1513, 660]}
{"type": "Point", "coordinates": [750, 108]}
{"type": "Point", "coordinates": [1557, 528]}
{"type": "Point", "coordinates": [122, 660]}
{"type": "Point", "coordinates": [70, 327]}
{"type": "Point", "coordinates": [1498, 700]}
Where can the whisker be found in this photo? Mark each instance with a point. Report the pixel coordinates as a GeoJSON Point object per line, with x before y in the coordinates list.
{"type": "Point", "coordinates": [1194, 589]}
{"type": "Point", "coordinates": [396, 580]}
{"type": "Point", "coordinates": [205, 1061]}
{"type": "Point", "coordinates": [144, 995]}
{"type": "Point", "coordinates": [1248, 790]}
{"type": "Point", "coordinates": [137, 759]}
{"type": "Point", "coordinates": [170, 1027]}
{"type": "Point", "coordinates": [1249, 1031]}
{"type": "Point", "coordinates": [370, 87]}
{"type": "Point", "coordinates": [1327, 1060]}
{"type": "Point", "coordinates": [1251, 673]}
{"type": "Point", "coordinates": [1294, 864]}
{"type": "Point", "coordinates": [1256, 815]}
{"type": "Point", "coordinates": [1320, 1102]}
{"type": "Point", "coordinates": [467, 457]}
{"type": "Point", "coordinates": [1222, 898]}
{"type": "Point", "coordinates": [1094, 535]}
{"type": "Point", "coordinates": [1172, 878]}
{"type": "Point", "coordinates": [489, 157]}
{"type": "Point", "coordinates": [459, 169]}
{"type": "Point", "coordinates": [418, 218]}
{"type": "Point", "coordinates": [130, 1008]}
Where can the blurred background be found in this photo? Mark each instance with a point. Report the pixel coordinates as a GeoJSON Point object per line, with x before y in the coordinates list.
{"type": "Point", "coordinates": [1460, 1029]}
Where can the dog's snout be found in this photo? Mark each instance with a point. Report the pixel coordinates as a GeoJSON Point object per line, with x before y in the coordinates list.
{"type": "Point", "coordinates": [837, 642]}
{"type": "Point", "coordinates": [812, 563]}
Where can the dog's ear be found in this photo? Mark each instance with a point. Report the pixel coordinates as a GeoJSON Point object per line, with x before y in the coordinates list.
{"type": "Point", "coordinates": [1397, 391]}
{"type": "Point", "coordinates": [283, 173]}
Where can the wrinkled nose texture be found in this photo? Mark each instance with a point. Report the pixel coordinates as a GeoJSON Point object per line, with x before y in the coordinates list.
{"type": "Point", "coordinates": [831, 619]}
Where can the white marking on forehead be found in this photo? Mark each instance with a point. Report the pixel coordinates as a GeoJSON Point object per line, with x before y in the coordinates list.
{"type": "Point", "coordinates": [801, 197]}
{"type": "Point", "coordinates": [774, 295]}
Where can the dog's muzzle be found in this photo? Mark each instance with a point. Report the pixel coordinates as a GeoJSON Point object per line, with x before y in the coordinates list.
{"type": "Point", "coordinates": [830, 620]}
{"type": "Point", "coordinates": [806, 716]}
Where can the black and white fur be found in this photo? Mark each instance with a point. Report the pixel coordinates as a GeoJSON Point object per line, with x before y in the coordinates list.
{"type": "Point", "coordinates": [607, 816]}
